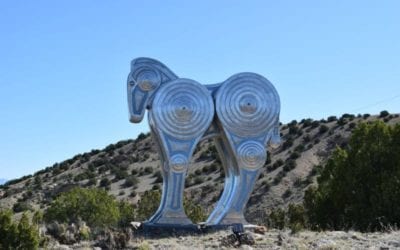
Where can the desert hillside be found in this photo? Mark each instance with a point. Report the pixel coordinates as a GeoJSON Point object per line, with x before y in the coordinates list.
{"type": "Point", "coordinates": [128, 168]}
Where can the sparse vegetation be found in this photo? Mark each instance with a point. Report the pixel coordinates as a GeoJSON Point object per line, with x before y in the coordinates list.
{"type": "Point", "coordinates": [358, 187]}
{"type": "Point", "coordinates": [21, 235]}
{"type": "Point", "coordinates": [94, 206]}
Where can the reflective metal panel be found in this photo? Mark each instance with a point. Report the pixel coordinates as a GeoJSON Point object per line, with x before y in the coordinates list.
{"type": "Point", "coordinates": [241, 114]}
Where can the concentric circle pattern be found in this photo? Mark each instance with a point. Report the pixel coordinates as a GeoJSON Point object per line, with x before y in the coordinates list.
{"type": "Point", "coordinates": [147, 78]}
{"type": "Point", "coordinates": [251, 155]}
{"type": "Point", "coordinates": [183, 109]}
{"type": "Point", "coordinates": [247, 104]}
{"type": "Point", "coordinates": [178, 162]}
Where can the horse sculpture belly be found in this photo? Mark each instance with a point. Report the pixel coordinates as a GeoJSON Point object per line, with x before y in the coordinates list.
{"type": "Point", "coordinates": [241, 114]}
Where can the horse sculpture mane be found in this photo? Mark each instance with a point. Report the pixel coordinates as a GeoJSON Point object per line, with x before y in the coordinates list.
{"type": "Point", "coordinates": [241, 114]}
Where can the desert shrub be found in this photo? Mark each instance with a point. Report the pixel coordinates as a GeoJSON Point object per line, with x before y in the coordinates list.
{"type": "Point", "coordinates": [352, 125]}
{"type": "Point", "coordinates": [22, 235]}
{"type": "Point", "coordinates": [296, 217]}
{"type": "Point", "coordinates": [323, 129]}
{"type": "Point", "coordinates": [279, 176]}
{"type": "Point", "coordinates": [84, 176]}
{"type": "Point", "coordinates": [314, 124]}
{"type": "Point", "coordinates": [92, 182]}
{"type": "Point", "coordinates": [288, 143]}
{"type": "Point", "coordinates": [105, 182]}
{"type": "Point", "coordinates": [198, 180]}
{"type": "Point", "coordinates": [268, 160]}
{"type": "Point", "coordinates": [349, 116]}
{"type": "Point", "coordinates": [94, 206]}
{"type": "Point", "coordinates": [289, 165]}
{"type": "Point", "coordinates": [332, 118]}
{"type": "Point", "coordinates": [134, 171]}
{"type": "Point", "coordinates": [214, 167]}
{"type": "Point", "coordinates": [147, 205]}
{"type": "Point", "coordinates": [276, 218]}
{"type": "Point", "coordinates": [287, 194]}
{"type": "Point", "coordinates": [148, 170]}
{"type": "Point", "coordinates": [119, 173]}
{"type": "Point", "coordinates": [131, 181]}
{"type": "Point", "coordinates": [293, 130]}
{"type": "Point", "coordinates": [294, 155]}
{"type": "Point", "coordinates": [150, 201]}
{"type": "Point", "coordinates": [299, 148]}
{"type": "Point", "coordinates": [195, 212]}
{"type": "Point", "coordinates": [341, 122]}
{"type": "Point", "coordinates": [306, 138]}
{"type": "Point", "coordinates": [21, 207]}
{"type": "Point", "coordinates": [358, 187]}
{"type": "Point", "coordinates": [205, 169]}
{"type": "Point", "coordinates": [127, 213]}
{"type": "Point", "coordinates": [307, 122]}
{"type": "Point", "coordinates": [140, 137]}
{"type": "Point", "coordinates": [383, 113]}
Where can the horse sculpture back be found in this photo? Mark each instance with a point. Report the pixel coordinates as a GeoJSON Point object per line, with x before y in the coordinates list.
{"type": "Point", "coordinates": [241, 114]}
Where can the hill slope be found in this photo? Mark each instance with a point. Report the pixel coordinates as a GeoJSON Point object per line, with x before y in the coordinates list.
{"type": "Point", "coordinates": [130, 167]}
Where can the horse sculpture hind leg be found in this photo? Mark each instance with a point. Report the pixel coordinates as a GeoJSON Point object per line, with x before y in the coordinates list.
{"type": "Point", "coordinates": [181, 112]}
{"type": "Point", "coordinates": [247, 107]}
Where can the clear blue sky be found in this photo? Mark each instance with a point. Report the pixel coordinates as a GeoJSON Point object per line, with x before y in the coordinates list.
{"type": "Point", "coordinates": [63, 64]}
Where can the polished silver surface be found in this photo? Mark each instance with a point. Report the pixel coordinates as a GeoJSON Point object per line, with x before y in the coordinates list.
{"type": "Point", "coordinates": [241, 114]}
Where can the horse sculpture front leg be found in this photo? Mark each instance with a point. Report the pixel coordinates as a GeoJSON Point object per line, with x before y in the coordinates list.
{"type": "Point", "coordinates": [181, 112]}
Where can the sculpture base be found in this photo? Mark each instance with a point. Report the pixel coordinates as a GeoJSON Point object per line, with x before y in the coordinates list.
{"type": "Point", "coordinates": [158, 228]}
{"type": "Point", "coordinates": [149, 227]}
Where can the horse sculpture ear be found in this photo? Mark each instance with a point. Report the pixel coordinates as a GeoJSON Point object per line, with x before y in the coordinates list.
{"type": "Point", "coordinates": [145, 78]}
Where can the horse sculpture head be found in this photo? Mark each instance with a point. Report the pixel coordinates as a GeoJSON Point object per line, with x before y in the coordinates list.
{"type": "Point", "coordinates": [145, 78]}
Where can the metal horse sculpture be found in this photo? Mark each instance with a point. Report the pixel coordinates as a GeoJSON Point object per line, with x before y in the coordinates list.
{"type": "Point", "coordinates": [241, 114]}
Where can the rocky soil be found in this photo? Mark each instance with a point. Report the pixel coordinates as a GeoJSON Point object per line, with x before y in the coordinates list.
{"type": "Point", "coordinates": [272, 239]}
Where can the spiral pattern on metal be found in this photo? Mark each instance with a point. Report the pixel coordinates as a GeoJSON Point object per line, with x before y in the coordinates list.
{"type": "Point", "coordinates": [247, 104]}
{"type": "Point", "coordinates": [178, 162]}
{"type": "Point", "coordinates": [147, 78]}
{"type": "Point", "coordinates": [183, 109]}
{"type": "Point", "coordinates": [251, 155]}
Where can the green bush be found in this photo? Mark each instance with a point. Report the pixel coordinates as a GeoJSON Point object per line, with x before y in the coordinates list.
{"type": "Point", "coordinates": [23, 235]}
{"type": "Point", "coordinates": [94, 206]}
{"type": "Point", "coordinates": [150, 201]}
{"type": "Point", "coordinates": [332, 118]}
{"type": "Point", "coordinates": [288, 143]}
{"type": "Point", "coordinates": [131, 181]}
{"type": "Point", "coordinates": [383, 113]}
{"type": "Point", "coordinates": [127, 213]}
{"type": "Point", "coordinates": [148, 204]}
{"type": "Point", "coordinates": [21, 207]}
{"type": "Point", "coordinates": [296, 217]}
{"type": "Point", "coordinates": [359, 186]}
{"type": "Point", "coordinates": [277, 218]}
{"type": "Point", "coordinates": [323, 129]}
{"type": "Point", "coordinates": [105, 182]}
